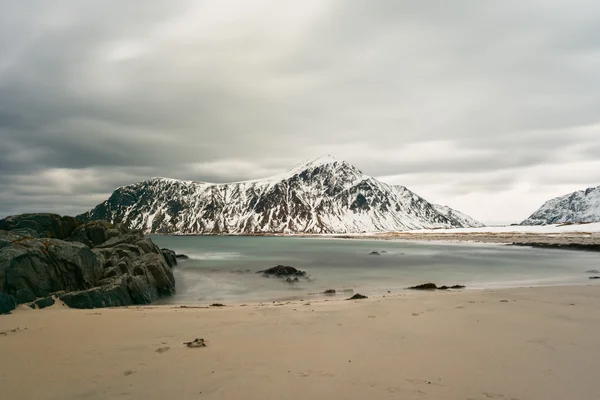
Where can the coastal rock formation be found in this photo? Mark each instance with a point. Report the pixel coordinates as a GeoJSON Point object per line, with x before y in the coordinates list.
{"type": "Point", "coordinates": [86, 265]}
{"type": "Point", "coordinates": [323, 195]}
{"type": "Point", "coordinates": [577, 207]}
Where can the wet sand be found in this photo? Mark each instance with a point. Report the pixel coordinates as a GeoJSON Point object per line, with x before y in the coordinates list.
{"type": "Point", "coordinates": [526, 344]}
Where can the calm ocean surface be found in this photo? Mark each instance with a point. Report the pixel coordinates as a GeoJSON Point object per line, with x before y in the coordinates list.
{"type": "Point", "coordinates": [222, 268]}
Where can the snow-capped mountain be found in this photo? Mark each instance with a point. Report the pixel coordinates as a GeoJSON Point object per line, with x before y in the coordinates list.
{"type": "Point", "coordinates": [462, 218]}
{"type": "Point", "coordinates": [323, 195]}
{"type": "Point", "coordinates": [580, 206]}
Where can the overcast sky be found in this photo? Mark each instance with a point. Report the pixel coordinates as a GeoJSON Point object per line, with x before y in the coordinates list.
{"type": "Point", "coordinates": [490, 107]}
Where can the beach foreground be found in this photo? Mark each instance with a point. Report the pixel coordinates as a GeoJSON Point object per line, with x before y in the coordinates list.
{"type": "Point", "coordinates": [530, 343]}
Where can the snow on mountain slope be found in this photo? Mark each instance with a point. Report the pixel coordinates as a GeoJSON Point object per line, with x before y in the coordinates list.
{"type": "Point", "coordinates": [323, 195]}
{"type": "Point", "coordinates": [580, 206]}
{"type": "Point", "coordinates": [463, 219]}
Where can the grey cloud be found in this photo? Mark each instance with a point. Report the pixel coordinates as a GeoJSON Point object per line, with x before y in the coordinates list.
{"type": "Point", "coordinates": [194, 90]}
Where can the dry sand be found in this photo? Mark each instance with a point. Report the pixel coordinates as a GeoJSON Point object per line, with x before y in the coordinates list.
{"type": "Point", "coordinates": [533, 343]}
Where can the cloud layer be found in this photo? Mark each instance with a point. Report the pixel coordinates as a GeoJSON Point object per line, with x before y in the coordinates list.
{"type": "Point", "coordinates": [490, 108]}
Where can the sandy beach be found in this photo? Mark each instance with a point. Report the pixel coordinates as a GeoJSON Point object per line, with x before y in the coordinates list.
{"type": "Point", "coordinates": [529, 343]}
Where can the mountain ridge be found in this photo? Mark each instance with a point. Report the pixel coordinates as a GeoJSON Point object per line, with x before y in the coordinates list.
{"type": "Point", "coordinates": [322, 195]}
{"type": "Point", "coordinates": [575, 207]}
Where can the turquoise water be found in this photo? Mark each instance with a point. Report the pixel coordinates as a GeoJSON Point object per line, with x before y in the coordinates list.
{"type": "Point", "coordinates": [222, 268]}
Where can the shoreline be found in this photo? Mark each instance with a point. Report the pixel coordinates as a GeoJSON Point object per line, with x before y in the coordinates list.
{"type": "Point", "coordinates": [572, 239]}
{"type": "Point", "coordinates": [523, 343]}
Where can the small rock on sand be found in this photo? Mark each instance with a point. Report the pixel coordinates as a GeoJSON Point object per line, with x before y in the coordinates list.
{"type": "Point", "coordinates": [357, 296]}
{"type": "Point", "coordinates": [196, 343]}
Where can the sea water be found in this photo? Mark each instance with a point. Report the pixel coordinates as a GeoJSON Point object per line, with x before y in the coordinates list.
{"type": "Point", "coordinates": [223, 268]}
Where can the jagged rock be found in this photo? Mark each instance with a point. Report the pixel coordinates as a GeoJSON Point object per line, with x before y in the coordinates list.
{"type": "Point", "coordinates": [170, 257]}
{"type": "Point", "coordinates": [120, 268]}
{"type": "Point", "coordinates": [32, 268]}
{"type": "Point", "coordinates": [357, 296]}
{"type": "Point", "coordinates": [181, 257]}
{"type": "Point", "coordinates": [46, 225]}
{"type": "Point", "coordinates": [43, 303]}
{"type": "Point", "coordinates": [294, 280]}
{"type": "Point", "coordinates": [114, 295]}
{"type": "Point", "coordinates": [282, 270]}
{"type": "Point", "coordinates": [329, 291]}
{"type": "Point", "coordinates": [7, 303]}
{"type": "Point", "coordinates": [374, 253]}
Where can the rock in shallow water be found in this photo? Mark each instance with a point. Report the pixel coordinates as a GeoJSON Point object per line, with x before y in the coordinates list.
{"type": "Point", "coordinates": [282, 270]}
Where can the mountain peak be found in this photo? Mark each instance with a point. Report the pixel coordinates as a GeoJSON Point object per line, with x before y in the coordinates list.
{"type": "Point", "coordinates": [320, 195]}
{"type": "Point", "coordinates": [324, 160]}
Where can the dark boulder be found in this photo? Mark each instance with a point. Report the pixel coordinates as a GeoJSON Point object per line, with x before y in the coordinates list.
{"type": "Point", "coordinates": [357, 296]}
{"type": "Point", "coordinates": [282, 270]}
{"type": "Point", "coordinates": [292, 280]}
{"type": "Point", "coordinates": [7, 303]}
{"type": "Point", "coordinates": [374, 253]}
{"type": "Point", "coordinates": [170, 257]}
{"type": "Point", "coordinates": [43, 303]}
{"type": "Point", "coordinates": [594, 277]}
{"type": "Point", "coordinates": [329, 291]}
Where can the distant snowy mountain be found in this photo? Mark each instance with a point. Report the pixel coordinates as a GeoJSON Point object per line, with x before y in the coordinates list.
{"type": "Point", "coordinates": [463, 219]}
{"type": "Point", "coordinates": [580, 206]}
{"type": "Point", "coordinates": [323, 195]}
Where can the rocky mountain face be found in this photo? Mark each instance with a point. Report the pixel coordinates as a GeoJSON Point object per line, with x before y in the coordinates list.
{"type": "Point", "coordinates": [576, 207]}
{"type": "Point", "coordinates": [324, 195]}
{"type": "Point", "coordinates": [86, 265]}
{"type": "Point", "coordinates": [463, 219]}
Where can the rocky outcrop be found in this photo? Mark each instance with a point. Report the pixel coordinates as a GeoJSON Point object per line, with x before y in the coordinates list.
{"type": "Point", "coordinates": [97, 265]}
{"type": "Point", "coordinates": [45, 225]}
